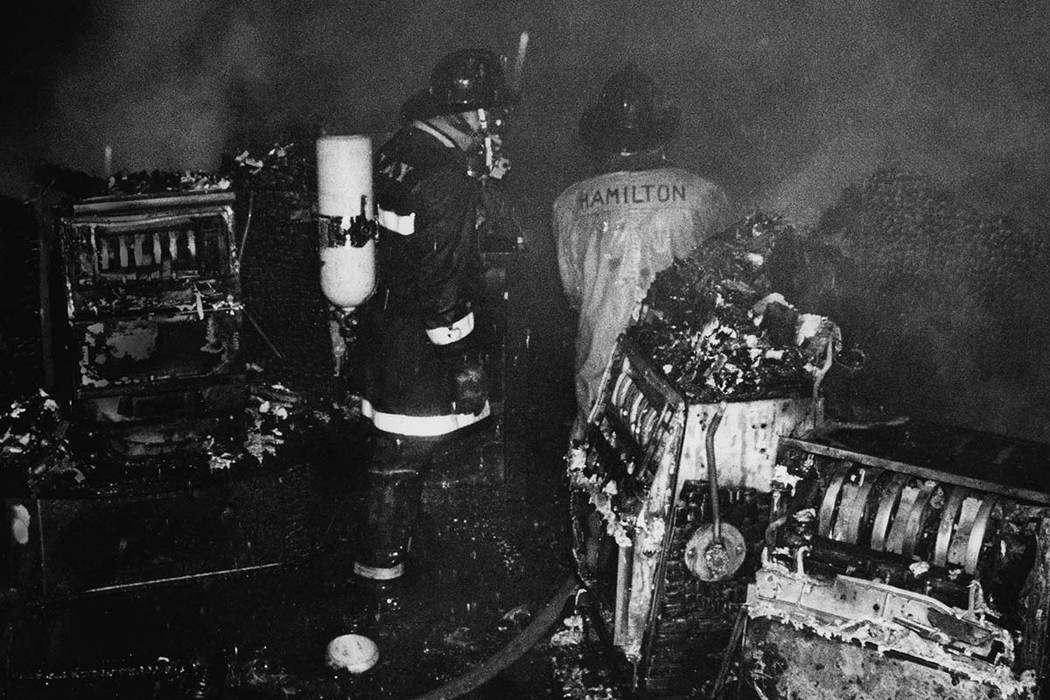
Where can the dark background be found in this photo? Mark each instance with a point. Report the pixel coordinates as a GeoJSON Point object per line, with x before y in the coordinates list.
{"type": "Point", "coordinates": [784, 103]}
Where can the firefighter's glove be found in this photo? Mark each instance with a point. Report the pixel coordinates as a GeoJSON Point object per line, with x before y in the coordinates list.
{"type": "Point", "coordinates": [470, 391]}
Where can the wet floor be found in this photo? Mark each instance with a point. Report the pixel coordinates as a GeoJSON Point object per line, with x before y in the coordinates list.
{"type": "Point", "coordinates": [491, 548]}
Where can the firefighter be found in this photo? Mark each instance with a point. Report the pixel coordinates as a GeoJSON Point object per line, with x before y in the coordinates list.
{"type": "Point", "coordinates": [616, 230]}
{"type": "Point", "coordinates": [422, 354]}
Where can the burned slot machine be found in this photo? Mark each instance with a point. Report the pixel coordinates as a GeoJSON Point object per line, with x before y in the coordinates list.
{"type": "Point", "coordinates": [903, 551]}
{"type": "Point", "coordinates": [156, 463]}
{"type": "Point", "coordinates": [153, 306]}
{"type": "Point", "coordinates": [672, 484]}
{"type": "Point", "coordinates": [670, 499]}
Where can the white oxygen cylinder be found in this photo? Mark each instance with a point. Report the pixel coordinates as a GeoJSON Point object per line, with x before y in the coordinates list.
{"type": "Point", "coordinates": [344, 182]}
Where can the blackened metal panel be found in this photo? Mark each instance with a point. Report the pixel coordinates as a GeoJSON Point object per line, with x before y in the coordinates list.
{"type": "Point", "coordinates": [109, 542]}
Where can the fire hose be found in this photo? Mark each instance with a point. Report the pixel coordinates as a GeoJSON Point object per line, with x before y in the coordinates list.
{"type": "Point", "coordinates": [514, 650]}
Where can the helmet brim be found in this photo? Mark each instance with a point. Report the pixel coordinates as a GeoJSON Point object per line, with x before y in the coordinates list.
{"type": "Point", "coordinates": [598, 131]}
{"type": "Point", "coordinates": [424, 104]}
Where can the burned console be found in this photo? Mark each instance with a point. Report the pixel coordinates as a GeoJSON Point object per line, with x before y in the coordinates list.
{"type": "Point", "coordinates": [153, 308]}
{"type": "Point", "coordinates": [903, 551]}
{"type": "Point", "coordinates": [673, 479]}
{"type": "Point", "coordinates": [156, 462]}
{"type": "Point", "coordinates": [668, 564]}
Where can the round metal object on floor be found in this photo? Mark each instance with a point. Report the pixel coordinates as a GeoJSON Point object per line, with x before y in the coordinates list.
{"type": "Point", "coordinates": [352, 652]}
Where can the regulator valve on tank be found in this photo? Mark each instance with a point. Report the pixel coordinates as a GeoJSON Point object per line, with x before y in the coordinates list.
{"type": "Point", "coordinates": [347, 231]}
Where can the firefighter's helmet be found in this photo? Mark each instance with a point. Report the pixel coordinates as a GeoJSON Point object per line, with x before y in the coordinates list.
{"type": "Point", "coordinates": [631, 115]}
{"type": "Point", "coordinates": [462, 81]}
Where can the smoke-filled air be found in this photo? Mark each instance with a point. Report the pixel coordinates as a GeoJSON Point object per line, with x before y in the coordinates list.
{"type": "Point", "coordinates": [791, 106]}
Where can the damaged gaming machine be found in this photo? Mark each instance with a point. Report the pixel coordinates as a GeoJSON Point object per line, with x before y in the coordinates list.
{"type": "Point", "coordinates": [903, 549]}
{"type": "Point", "coordinates": [737, 544]}
{"type": "Point", "coordinates": [665, 557]}
{"type": "Point", "coordinates": [672, 483]}
{"type": "Point", "coordinates": [159, 464]}
{"type": "Point", "coordinates": [154, 311]}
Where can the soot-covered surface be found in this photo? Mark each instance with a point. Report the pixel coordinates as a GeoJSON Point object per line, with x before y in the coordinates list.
{"type": "Point", "coordinates": [488, 555]}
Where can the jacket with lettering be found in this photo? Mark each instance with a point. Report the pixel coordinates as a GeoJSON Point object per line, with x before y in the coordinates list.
{"type": "Point", "coordinates": [417, 331]}
{"type": "Point", "coordinates": [614, 233]}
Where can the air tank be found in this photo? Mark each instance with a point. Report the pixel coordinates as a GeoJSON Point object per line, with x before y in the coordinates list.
{"type": "Point", "coordinates": [344, 190]}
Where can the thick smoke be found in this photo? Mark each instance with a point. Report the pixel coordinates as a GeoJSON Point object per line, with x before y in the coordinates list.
{"type": "Point", "coordinates": [784, 103]}
{"type": "Point", "coordinates": [158, 83]}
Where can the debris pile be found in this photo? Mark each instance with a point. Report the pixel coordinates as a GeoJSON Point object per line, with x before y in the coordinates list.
{"type": "Point", "coordinates": [160, 181]}
{"type": "Point", "coordinates": [277, 166]}
{"type": "Point", "coordinates": [273, 415]}
{"type": "Point", "coordinates": [281, 166]}
{"type": "Point", "coordinates": [40, 452]}
{"type": "Point", "coordinates": [718, 329]}
{"type": "Point", "coordinates": [34, 444]}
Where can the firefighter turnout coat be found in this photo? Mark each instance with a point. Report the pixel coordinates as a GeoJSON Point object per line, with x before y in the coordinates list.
{"type": "Point", "coordinates": [421, 335]}
{"type": "Point", "coordinates": [614, 233]}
